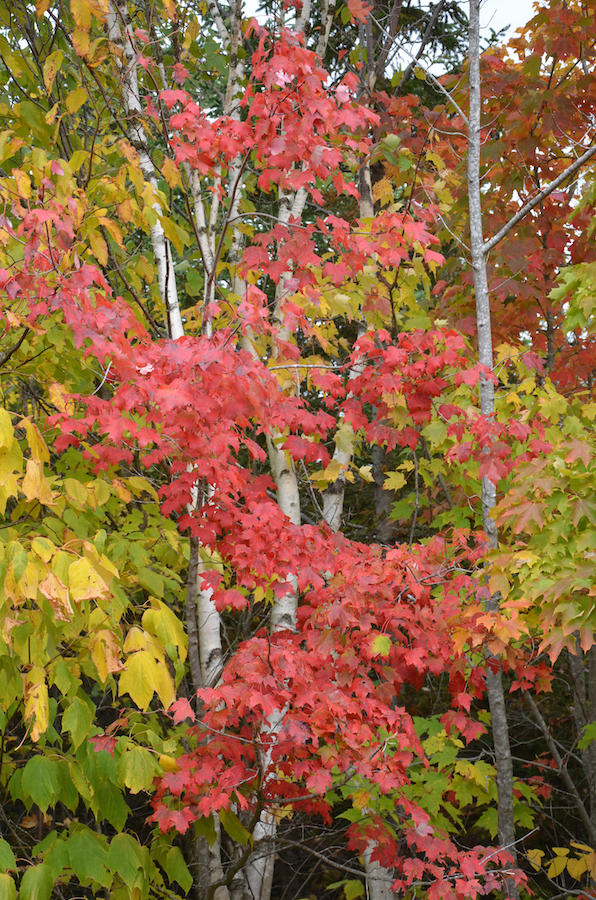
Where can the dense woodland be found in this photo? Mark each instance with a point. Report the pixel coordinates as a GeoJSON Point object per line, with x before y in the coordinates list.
{"type": "Point", "coordinates": [297, 451]}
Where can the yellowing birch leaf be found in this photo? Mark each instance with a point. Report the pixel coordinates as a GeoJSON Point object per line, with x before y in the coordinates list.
{"type": "Point", "coordinates": [75, 99]}
{"type": "Point", "coordinates": [99, 247]}
{"type": "Point", "coordinates": [140, 678]}
{"type": "Point", "coordinates": [54, 590]}
{"type": "Point", "coordinates": [81, 10]}
{"type": "Point", "coordinates": [36, 701]}
{"type": "Point", "coordinates": [84, 582]}
{"type": "Point", "coordinates": [51, 67]}
{"type": "Point", "coordinates": [35, 484]}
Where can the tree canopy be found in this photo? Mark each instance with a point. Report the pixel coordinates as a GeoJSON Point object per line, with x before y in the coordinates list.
{"type": "Point", "coordinates": [297, 451]}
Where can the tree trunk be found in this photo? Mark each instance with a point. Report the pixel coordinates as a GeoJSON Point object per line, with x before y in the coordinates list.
{"type": "Point", "coordinates": [496, 695]}
{"type": "Point", "coordinates": [120, 34]}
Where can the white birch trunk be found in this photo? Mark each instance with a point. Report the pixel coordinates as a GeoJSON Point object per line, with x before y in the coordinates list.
{"type": "Point", "coordinates": [378, 884]}
{"type": "Point", "coordinates": [496, 695]}
{"type": "Point", "coordinates": [120, 34]}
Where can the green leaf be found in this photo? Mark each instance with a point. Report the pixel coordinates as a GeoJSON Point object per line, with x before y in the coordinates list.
{"type": "Point", "coordinates": [88, 856]}
{"type": "Point", "coordinates": [37, 883]}
{"type": "Point", "coordinates": [137, 768]}
{"type": "Point", "coordinates": [7, 860]}
{"type": "Point", "coordinates": [41, 781]}
{"type": "Point", "coordinates": [8, 889]}
{"type": "Point", "coordinates": [177, 870]}
{"type": "Point", "coordinates": [78, 720]}
{"type": "Point", "coordinates": [125, 858]}
{"type": "Point", "coordinates": [234, 827]}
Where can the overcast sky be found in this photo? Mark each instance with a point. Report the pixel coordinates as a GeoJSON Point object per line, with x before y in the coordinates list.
{"type": "Point", "coordinates": [499, 13]}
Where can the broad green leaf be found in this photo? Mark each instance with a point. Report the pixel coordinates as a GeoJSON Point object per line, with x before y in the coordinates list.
{"type": "Point", "coordinates": [77, 719]}
{"type": "Point", "coordinates": [7, 860]}
{"type": "Point", "coordinates": [177, 870]}
{"type": "Point", "coordinates": [125, 858]}
{"type": "Point", "coordinates": [41, 781]}
{"type": "Point", "coordinates": [89, 856]}
{"type": "Point", "coordinates": [234, 827]}
{"type": "Point", "coordinates": [137, 768]}
{"type": "Point", "coordinates": [37, 883]}
{"type": "Point", "coordinates": [8, 889]}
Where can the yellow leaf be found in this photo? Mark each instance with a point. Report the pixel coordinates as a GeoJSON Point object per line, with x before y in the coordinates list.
{"type": "Point", "coordinates": [558, 865]}
{"type": "Point", "coordinates": [126, 211]}
{"type": "Point", "coordinates": [61, 399]}
{"type": "Point", "coordinates": [35, 484]}
{"type": "Point", "coordinates": [51, 67]}
{"type": "Point", "coordinates": [136, 639]}
{"type": "Point", "coordinates": [170, 172]}
{"type": "Point", "coordinates": [84, 582]}
{"type": "Point", "coordinates": [36, 701]}
{"type": "Point", "coordinates": [43, 547]}
{"type": "Point", "coordinates": [121, 490]}
{"type": "Point", "coordinates": [81, 10]}
{"type": "Point", "coordinates": [41, 6]}
{"type": "Point", "coordinates": [140, 484]}
{"type": "Point", "coordinates": [6, 429]}
{"type": "Point", "coordinates": [577, 867]}
{"type": "Point", "coordinates": [394, 481]}
{"type": "Point", "coordinates": [50, 116]}
{"type": "Point", "coordinates": [164, 685]}
{"type": "Point", "coordinates": [37, 445]}
{"type": "Point", "coordinates": [168, 763]}
{"type": "Point", "coordinates": [99, 247]}
{"type": "Point", "coordinates": [105, 653]}
{"type": "Point", "coordinates": [75, 99]}
{"type": "Point", "coordinates": [162, 622]}
{"type": "Point", "coordinates": [140, 678]}
{"type": "Point", "coordinates": [56, 592]}
{"type": "Point", "coordinates": [23, 183]}
{"type": "Point", "coordinates": [583, 847]}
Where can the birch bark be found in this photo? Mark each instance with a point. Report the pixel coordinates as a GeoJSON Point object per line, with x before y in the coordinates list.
{"type": "Point", "coordinates": [120, 34]}
{"type": "Point", "coordinates": [496, 695]}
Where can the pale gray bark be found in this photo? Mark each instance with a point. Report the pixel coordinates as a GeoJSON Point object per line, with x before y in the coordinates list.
{"type": "Point", "coordinates": [120, 34]}
{"type": "Point", "coordinates": [496, 695]}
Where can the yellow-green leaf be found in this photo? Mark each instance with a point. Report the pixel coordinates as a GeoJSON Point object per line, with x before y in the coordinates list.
{"type": "Point", "coordinates": [75, 99]}
{"type": "Point", "coordinates": [139, 679]}
{"type": "Point", "coordinates": [51, 67]}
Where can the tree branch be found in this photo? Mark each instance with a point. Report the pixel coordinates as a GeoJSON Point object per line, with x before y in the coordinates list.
{"type": "Point", "coordinates": [532, 204]}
